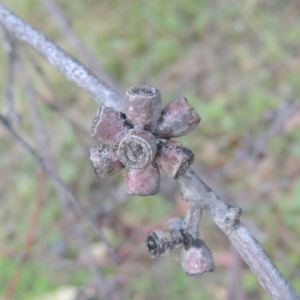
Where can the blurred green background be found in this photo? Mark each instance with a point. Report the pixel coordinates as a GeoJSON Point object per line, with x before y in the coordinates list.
{"type": "Point", "coordinates": [238, 65]}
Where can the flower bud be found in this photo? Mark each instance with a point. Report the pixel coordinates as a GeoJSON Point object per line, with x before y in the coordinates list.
{"type": "Point", "coordinates": [142, 182]}
{"type": "Point", "coordinates": [177, 118]}
{"type": "Point", "coordinates": [105, 160]}
{"type": "Point", "coordinates": [197, 259]}
{"type": "Point", "coordinates": [162, 242]}
{"type": "Point", "coordinates": [173, 158]}
{"type": "Point", "coordinates": [109, 126]}
{"type": "Point", "coordinates": [137, 149]}
{"type": "Point", "coordinates": [142, 107]}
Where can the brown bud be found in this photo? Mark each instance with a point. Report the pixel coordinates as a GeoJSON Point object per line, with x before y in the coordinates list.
{"type": "Point", "coordinates": [105, 160]}
{"type": "Point", "coordinates": [142, 182]}
{"type": "Point", "coordinates": [162, 242]}
{"type": "Point", "coordinates": [142, 106]}
{"type": "Point", "coordinates": [177, 118]}
{"type": "Point", "coordinates": [173, 158]}
{"type": "Point", "coordinates": [197, 259]}
{"type": "Point", "coordinates": [109, 126]}
{"type": "Point", "coordinates": [137, 149]}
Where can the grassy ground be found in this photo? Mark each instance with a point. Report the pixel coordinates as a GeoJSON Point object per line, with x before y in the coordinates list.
{"type": "Point", "coordinates": [238, 65]}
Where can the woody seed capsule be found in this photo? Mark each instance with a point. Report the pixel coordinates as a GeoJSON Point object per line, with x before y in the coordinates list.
{"type": "Point", "coordinates": [105, 160]}
{"type": "Point", "coordinates": [142, 182]}
{"type": "Point", "coordinates": [142, 106]}
{"type": "Point", "coordinates": [177, 118]}
{"type": "Point", "coordinates": [137, 149]}
{"type": "Point", "coordinates": [197, 259]}
{"type": "Point", "coordinates": [173, 158]}
{"type": "Point", "coordinates": [162, 242]}
{"type": "Point", "coordinates": [109, 126]}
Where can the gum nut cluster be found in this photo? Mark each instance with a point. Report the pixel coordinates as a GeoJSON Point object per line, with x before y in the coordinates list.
{"type": "Point", "coordinates": [139, 139]}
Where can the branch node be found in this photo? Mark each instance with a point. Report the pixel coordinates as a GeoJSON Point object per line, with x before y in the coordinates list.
{"type": "Point", "coordinates": [232, 219]}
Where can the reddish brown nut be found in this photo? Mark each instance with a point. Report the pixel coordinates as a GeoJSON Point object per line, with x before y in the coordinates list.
{"type": "Point", "coordinates": [105, 160]}
{"type": "Point", "coordinates": [173, 158]}
{"type": "Point", "coordinates": [109, 126]}
{"type": "Point", "coordinates": [197, 259]}
{"type": "Point", "coordinates": [177, 118]}
{"type": "Point", "coordinates": [137, 149]}
{"type": "Point", "coordinates": [142, 182]}
{"type": "Point", "coordinates": [162, 242]}
{"type": "Point", "coordinates": [142, 107]}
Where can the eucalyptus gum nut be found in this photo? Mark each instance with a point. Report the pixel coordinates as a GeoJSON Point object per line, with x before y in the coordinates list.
{"type": "Point", "coordinates": [177, 118]}
{"type": "Point", "coordinates": [173, 158]}
{"type": "Point", "coordinates": [197, 259]}
{"type": "Point", "coordinates": [105, 160]}
{"type": "Point", "coordinates": [162, 242]}
{"type": "Point", "coordinates": [137, 149]}
{"type": "Point", "coordinates": [109, 126]}
{"type": "Point", "coordinates": [142, 106]}
{"type": "Point", "coordinates": [142, 182]}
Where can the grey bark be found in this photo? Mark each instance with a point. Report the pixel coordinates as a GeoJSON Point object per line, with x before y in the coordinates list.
{"type": "Point", "coordinates": [70, 67]}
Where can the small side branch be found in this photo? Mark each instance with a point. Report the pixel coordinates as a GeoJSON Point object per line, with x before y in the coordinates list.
{"type": "Point", "coordinates": [10, 46]}
{"type": "Point", "coordinates": [79, 207]}
{"type": "Point", "coordinates": [192, 219]}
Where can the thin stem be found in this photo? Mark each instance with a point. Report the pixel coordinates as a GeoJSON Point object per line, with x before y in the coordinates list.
{"type": "Point", "coordinates": [10, 46]}
{"type": "Point", "coordinates": [44, 149]}
{"type": "Point", "coordinates": [62, 22]}
{"type": "Point", "coordinates": [81, 209]}
{"type": "Point", "coordinates": [192, 220]}
{"type": "Point", "coordinates": [64, 62]}
{"type": "Point", "coordinates": [284, 112]}
{"type": "Point", "coordinates": [55, 105]}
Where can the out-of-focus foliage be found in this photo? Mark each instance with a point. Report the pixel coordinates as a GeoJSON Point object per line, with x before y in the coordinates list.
{"type": "Point", "coordinates": [238, 65]}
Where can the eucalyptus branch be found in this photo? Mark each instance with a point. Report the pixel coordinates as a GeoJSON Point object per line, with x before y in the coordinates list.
{"type": "Point", "coordinates": [194, 190]}
{"type": "Point", "coordinates": [62, 22]}
{"type": "Point", "coordinates": [227, 217]}
{"type": "Point", "coordinates": [64, 62]}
